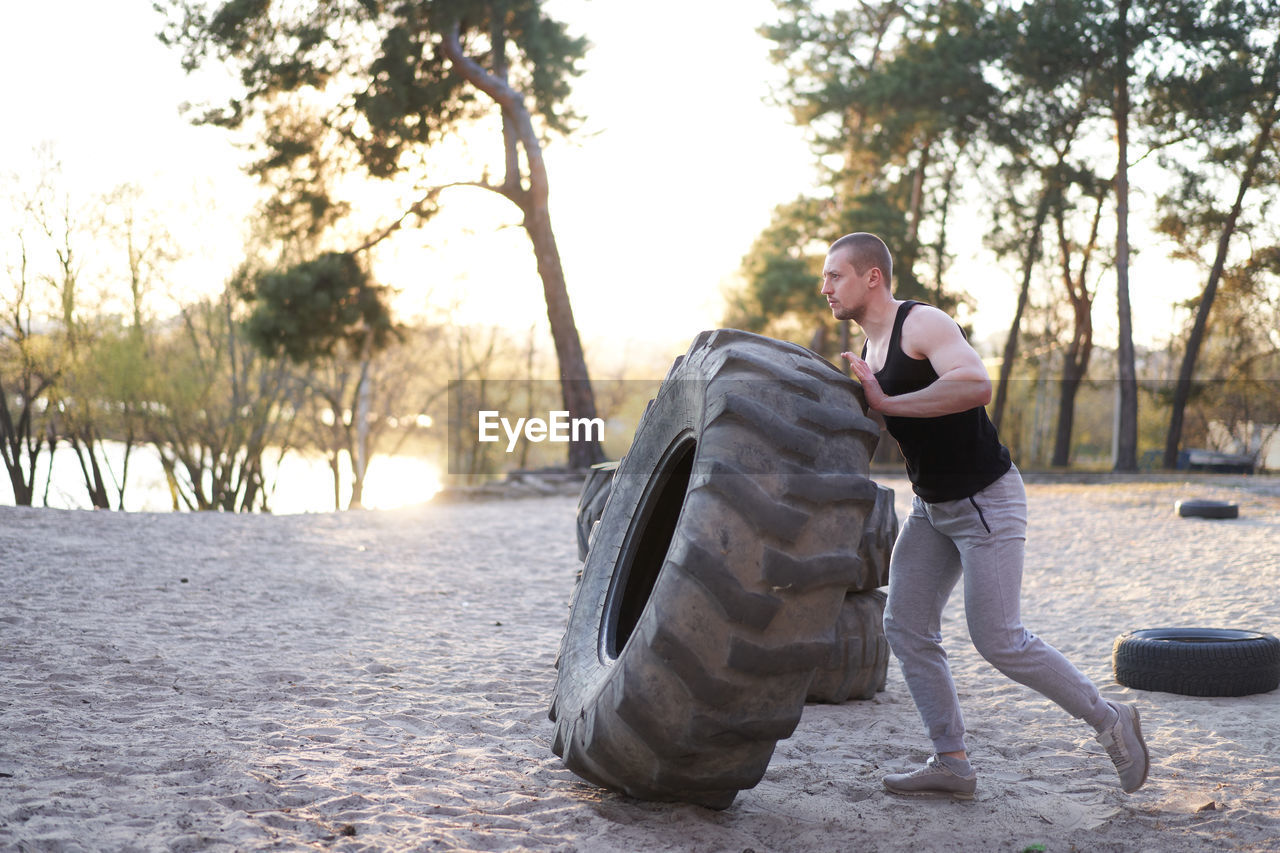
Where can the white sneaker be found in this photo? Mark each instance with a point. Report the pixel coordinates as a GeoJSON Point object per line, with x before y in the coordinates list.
{"type": "Point", "coordinates": [1128, 751]}
{"type": "Point", "coordinates": [935, 779]}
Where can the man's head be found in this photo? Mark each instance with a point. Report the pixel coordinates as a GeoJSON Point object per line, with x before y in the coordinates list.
{"type": "Point", "coordinates": [858, 269]}
{"type": "Point", "coordinates": [864, 251]}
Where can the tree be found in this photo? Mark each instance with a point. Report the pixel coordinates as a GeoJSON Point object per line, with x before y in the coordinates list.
{"type": "Point", "coordinates": [1227, 93]}
{"type": "Point", "coordinates": [361, 408]}
{"type": "Point", "coordinates": [888, 92]}
{"type": "Point", "coordinates": [924, 110]}
{"type": "Point", "coordinates": [26, 374]}
{"type": "Point", "coordinates": [1032, 250]}
{"type": "Point", "coordinates": [121, 364]}
{"type": "Point", "coordinates": [779, 272]}
{"type": "Point", "coordinates": [328, 314]}
{"type": "Point", "coordinates": [84, 372]}
{"type": "Point", "coordinates": [1054, 74]}
{"type": "Point", "coordinates": [1234, 404]}
{"type": "Point", "coordinates": [317, 307]}
{"type": "Point", "coordinates": [1075, 363]}
{"type": "Point", "coordinates": [220, 405]}
{"type": "Point", "coordinates": [1127, 423]}
{"type": "Point", "coordinates": [393, 80]}
{"type": "Point", "coordinates": [76, 416]}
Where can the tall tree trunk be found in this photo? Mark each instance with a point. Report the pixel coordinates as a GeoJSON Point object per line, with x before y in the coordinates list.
{"type": "Point", "coordinates": [362, 408]}
{"type": "Point", "coordinates": [13, 439]}
{"type": "Point", "coordinates": [910, 251]}
{"type": "Point", "coordinates": [1126, 458]}
{"type": "Point", "coordinates": [532, 199]}
{"type": "Point", "coordinates": [1182, 390]}
{"type": "Point", "coordinates": [1074, 368]}
{"type": "Point", "coordinates": [818, 340]}
{"type": "Point", "coordinates": [335, 468]}
{"type": "Point", "coordinates": [1072, 375]}
{"type": "Point", "coordinates": [944, 209]}
{"type": "Point", "coordinates": [1076, 363]}
{"type": "Point", "coordinates": [575, 384]}
{"type": "Point", "coordinates": [90, 469]}
{"type": "Point", "coordinates": [1028, 267]}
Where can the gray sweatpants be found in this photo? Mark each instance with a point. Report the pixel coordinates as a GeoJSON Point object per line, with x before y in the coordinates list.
{"type": "Point", "coordinates": [981, 539]}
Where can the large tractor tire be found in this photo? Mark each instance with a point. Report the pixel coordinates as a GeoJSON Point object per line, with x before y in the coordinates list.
{"type": "Point", "coordinates": [717, 572]}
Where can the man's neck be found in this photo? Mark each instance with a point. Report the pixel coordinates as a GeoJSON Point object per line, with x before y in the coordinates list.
{"type": "Point", "coordinates": [877, 322]}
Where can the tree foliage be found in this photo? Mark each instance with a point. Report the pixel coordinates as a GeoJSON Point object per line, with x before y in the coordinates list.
{"type": "Point", "coordinates": [27, 372]}
{"type": "Point", "coordinates": [313, 308]}
{"type": "Point", "coordinates": [385, 67]}
{"type": "Point", "coordinates": [889, 93]}
{"type": "Point", "coordinates": [1223, 93]}
{"type": "Point", "coordinates": [372, 86]}
{"type": "Point", "coordinates": [1033, 114]}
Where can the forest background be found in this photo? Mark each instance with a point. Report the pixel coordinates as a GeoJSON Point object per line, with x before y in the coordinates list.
{"type": "Point", "coordinates": [1057, 174]}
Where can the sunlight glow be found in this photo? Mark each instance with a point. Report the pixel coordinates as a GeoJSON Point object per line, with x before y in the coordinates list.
{"type": "Point", "coordinates": [399, 481]}
{"type": "Point", "coordinates": [304, 483]}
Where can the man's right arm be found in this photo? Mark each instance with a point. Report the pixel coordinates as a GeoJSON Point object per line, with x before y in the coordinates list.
{"type": "Point", "coordinates": [962, 382]}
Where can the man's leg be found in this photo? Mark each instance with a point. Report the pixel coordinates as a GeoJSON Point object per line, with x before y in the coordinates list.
{"type": "Point", "coordinates": [992, 541]}
{"type": "Point", "coordinates": [992, 554]}
{"type": "Point", "coordinates": [922, 573]}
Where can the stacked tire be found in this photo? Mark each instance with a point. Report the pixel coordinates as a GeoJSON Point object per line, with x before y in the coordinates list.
{"type": "Point", "coordinates": [591, 501]}
{"type": "Point", "coordinates": [857, 664]}
{"type": "Point", "coordinates": [716, 575]}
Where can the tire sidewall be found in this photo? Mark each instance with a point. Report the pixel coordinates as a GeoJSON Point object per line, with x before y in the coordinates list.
{"type": "Point", "coordinates": [1167, 636]}
{"type": "Point", "coordinates": [673, 420]}
{"type": "Point", "coordinates": [1208, 509]}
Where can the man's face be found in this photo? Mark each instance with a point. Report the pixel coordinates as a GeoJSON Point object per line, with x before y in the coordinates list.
{"type": "Point", "coordinates": [846, 291]}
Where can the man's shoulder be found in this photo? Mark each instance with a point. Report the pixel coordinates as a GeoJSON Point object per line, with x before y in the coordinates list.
{"type": "Point", "coordinates": [925, 317]}
{"type": "Point", "coordinates": [926, 328]}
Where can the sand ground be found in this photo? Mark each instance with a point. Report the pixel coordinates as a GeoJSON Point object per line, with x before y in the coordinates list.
{"type": "Point", "coordinates": [379, 681]}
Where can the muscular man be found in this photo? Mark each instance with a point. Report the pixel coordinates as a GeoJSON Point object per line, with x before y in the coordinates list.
{"type": "Point", "coordinates": [968, 521]}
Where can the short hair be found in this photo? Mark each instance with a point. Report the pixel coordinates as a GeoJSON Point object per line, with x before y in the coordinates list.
{"type": "Point", "coordinates": [866, 250]}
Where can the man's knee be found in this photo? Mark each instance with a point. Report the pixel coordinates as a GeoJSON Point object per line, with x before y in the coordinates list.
{"type": "Point", "coordinates": [999, 646]}
{"type": "Point", "coordinates": [904, 638]}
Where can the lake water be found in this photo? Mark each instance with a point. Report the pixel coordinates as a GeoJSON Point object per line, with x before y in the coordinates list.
{"type": "Point", "coordinates": [301, 483]}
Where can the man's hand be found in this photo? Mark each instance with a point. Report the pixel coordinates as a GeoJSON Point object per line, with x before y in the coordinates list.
{"type": "Point", "coordinates": [870, 385]}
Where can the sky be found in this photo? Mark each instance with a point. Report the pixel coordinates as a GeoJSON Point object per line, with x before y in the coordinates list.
{"type": "Point", "coordinates": [655, 200]}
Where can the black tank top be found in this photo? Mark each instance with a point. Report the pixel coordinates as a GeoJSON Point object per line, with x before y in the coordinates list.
{"type": "Point", "coordinates": [949, 457]}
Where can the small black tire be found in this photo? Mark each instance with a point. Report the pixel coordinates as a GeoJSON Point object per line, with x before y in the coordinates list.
{"type": "Point", "coordinates": [858, 662]}
{"type": "Point", "coordinates": [716, 575]}
{"type": "Point", "coordinates": [1207, 509]}
{"type": "Point", "coordinates": [591, 501]}
{"type": "Point", "coordinates": [1197, 661]}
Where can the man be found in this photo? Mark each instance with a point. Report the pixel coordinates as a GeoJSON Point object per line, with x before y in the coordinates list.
{"type": "Point", "coordinates": [968, 521]}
